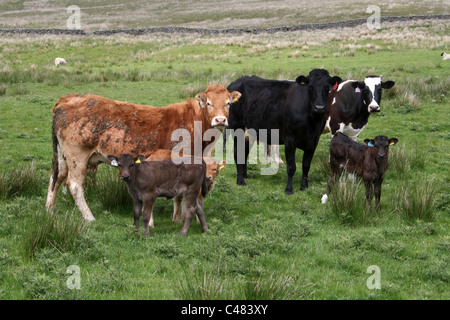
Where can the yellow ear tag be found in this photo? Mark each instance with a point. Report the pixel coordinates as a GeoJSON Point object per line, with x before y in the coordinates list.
{"type": "Point", "coordinates": [221, 167]}
{"type": "Point", "coordinates": [302, 82]}
{"type": "Point", "coordinates": [138, 161]}
{"type": "Point", "coordinates": [235, 99]}
{"type": "Point", "coordinates": [392, 143]}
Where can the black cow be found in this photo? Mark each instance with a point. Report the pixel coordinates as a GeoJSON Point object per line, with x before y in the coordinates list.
{"type": "Point", "coordinates": [351, 104]}
{"type": "Point", "coordinates": [296, 108]}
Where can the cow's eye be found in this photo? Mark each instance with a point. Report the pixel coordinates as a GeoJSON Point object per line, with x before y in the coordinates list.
{"type": "Point", "coordinates": [209, 104]}
{"type": "Point", "coordinates": [132, 165]}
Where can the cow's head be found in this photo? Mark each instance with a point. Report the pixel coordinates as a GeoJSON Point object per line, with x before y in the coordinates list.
{"type": "Point", "coordinates": [216, 101]}
{"type": "Point", "coordinates": [125, 163]}
{"type": "Point", "coordinates": [212, 171]}
{"type": "Point", "coordinates": [381, 145]}
{"type": "Point", "coordinates": [318, 82]}
{"type": "Point", "coordinates": [372, 94]}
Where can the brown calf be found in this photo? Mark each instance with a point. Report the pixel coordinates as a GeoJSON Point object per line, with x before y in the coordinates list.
{"type": "Point", "coordinates": [148, 180]}
{"type": "Point", "coordinates": [212, 171]}
{"type": "Point", "coordinates": [369, 162]}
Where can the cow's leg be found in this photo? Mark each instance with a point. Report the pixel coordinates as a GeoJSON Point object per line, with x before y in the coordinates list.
{"type": "Point", "coordinates": [191, 206]}
{"type": "Point", "coordinates": [147, 213]}
{"type": "Point", "coordinates": [177, 202]}
{"type": "Point", "coordinates": [53, 189]}
{"type": "Point", "coordinates": [75, 180]}
{"type": "Point", "coordinates": [377, 192]}
{"type": "Point", "coordinates": [289, 149]}
{"type": "Point", "coordinates": [201, 214]}
{"type": "Point", "coordinates": [240, 158]}
{"type": "Point", "coordinates": [137, 208]}
{"type": "Point", "coordinates": [369, 193]}
{"type": "Point", "coordinates": [306, 164]}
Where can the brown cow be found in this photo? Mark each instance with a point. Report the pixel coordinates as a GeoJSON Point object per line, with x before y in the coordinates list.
{"type": "Point", "coordinates": [212, 171]}
{"type": "Point", "coordinates": [88, 128]}
{"type": "Point", "coordinates": [148, 180]}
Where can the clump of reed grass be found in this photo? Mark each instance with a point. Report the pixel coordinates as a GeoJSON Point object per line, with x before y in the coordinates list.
{"type": "Point", "coordinates": [23, 180]}
{"type": "Point", "coordinates": [417, 201]}
{"type": "Point", "coordinates": [348, 201]}
{"type": "Point", "coordinates": [402, 159]}
{"type": "Point", "coordinates": [204, 286]}
{"type": "Point", "coordinates": [54, 230]}
{"type": "Point", "coordinates": [278, 286]}
{"type": "Point", "coordinates": [111, 191]}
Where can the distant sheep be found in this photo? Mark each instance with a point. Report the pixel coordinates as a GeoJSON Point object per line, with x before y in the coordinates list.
{"type": "Point", "coordinates": [59, 61]}
{"type": "Point", "coordinates": [445, 56]}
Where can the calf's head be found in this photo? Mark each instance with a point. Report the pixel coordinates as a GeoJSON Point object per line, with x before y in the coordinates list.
{"type": "Point", "coordinates": [215, 102]}
{"type": "Point", "coordinates": [126, 163]}
{"type": "Point", "coordinates": [318, 82]}
{"type": "Point", "coordinates": [381, 145]}
{"type": "Point", "coordinates": [372, 91]}
{"type": "Point", "coordinates": [212, 171]}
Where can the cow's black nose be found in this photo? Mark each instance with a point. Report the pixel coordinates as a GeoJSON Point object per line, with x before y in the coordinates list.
{"type": "Point", "coordinates": [319, 108]}
{"type": "Point", "coordinates": [125, 177]}
{"type": "Point", "coordinates": [381, 156]}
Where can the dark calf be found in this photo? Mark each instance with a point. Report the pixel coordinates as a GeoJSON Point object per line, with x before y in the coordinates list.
{"type": "Point", "coordinates": [369, 162]}
{"type": "Point", "coordinates": [147, 180]}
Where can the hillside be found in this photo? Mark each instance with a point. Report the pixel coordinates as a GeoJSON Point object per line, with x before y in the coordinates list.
{"type": "Point", "coordinates": [101, 15]}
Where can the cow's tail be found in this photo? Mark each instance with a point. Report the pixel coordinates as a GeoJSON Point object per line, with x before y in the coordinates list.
{"type": "Point", "coordinates": [204, 186]}
{"type": "Point", "coordinates": [55, 162]}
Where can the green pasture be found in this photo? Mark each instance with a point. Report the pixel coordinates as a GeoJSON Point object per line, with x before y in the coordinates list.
{"type": "Point", "coordinates": [261, 243]}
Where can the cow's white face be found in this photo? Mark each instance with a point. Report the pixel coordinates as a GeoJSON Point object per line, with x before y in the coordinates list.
{"type": "Point", "coordinates": [374, 85]}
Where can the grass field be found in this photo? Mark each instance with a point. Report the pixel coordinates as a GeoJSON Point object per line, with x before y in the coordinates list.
{"type": "Point", "coordinates": [261, 243]}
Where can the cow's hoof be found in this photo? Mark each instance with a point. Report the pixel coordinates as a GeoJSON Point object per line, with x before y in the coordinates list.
{"type": "Point", "coordinates": [241, 183]}
{"type": "Point", "coordinates": [288, 191]}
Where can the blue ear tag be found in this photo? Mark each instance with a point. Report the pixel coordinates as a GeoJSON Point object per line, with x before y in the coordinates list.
{"type": "Point", "coordinates": [370, 144]}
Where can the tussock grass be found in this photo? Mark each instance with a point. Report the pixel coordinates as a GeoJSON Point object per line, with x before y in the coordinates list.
{"type": "Point", "coordinates": [213, 286]}
{"type": "Point", "coordinates": [277, 286]}
{"type": "Point", "coordinates": [348, 200]}
{"type": "Point", "coordinates": [404, 160]}
{"type": "Point", "coordinates": [417, 200]}
{"type": "Point", "coordinates": [110, 190]}
{"type": "Point", "coordinates": [23, 180]}
{"type": "Point", "coordinates": [55, 230]}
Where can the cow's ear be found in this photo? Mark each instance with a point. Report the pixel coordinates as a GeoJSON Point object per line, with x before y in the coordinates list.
{"type": "Point", "coordinates": [302, 80]}
{"type": "Point", "coordinates": [222, 164]}
{"type": "Point", "coordinates": [113, 160]}
{"type": "Point", "coordinates": [393, 141]}
{"type": "Point", "coordinates": [369, 142]}
{"type": "Point", "coordinates": [335, 80]}
{"type": "Point", "coordinates": [358, 84]}
{"type": "Point", "coordinates": [139, 158]}
{"type": "Point", "coordinates": [234, 96]}
{"type": "Point", "coordinates": [387, 84]}
{"type": "Point", "coordinates": [201, 97]}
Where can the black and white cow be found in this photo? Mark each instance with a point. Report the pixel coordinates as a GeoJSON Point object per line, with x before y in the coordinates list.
{"type": "Point", "coordinates": [350, 105]}
{"type": "Point", "coordinates": [296, 108]}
